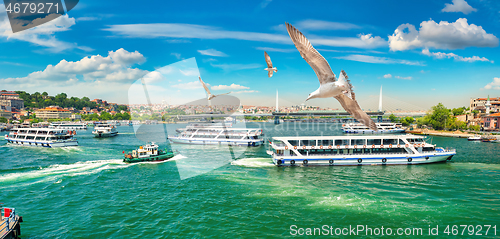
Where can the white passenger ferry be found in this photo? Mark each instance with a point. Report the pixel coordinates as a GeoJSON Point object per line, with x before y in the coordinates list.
{"type": "Point", "coordinates": [356, 150]}
{"type": "Point", "coordinates": [220, 136]}
{"type": "Point", "coordinates": [69, 125]}
{"type": "Point", "coordinates": [383, 128]}
{"type": "Point", "coordinates": [220, 125]}
{"type": "Point", "coordinates": [104, 130]}
{"type": "Point", "coordinates": [42, 137]}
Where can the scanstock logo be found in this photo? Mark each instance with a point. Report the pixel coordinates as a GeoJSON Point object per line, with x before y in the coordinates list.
{"type": "Point", "coordinates": [26, 14]}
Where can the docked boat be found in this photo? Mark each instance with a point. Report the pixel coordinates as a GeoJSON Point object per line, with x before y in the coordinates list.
{"type": "Point", "coordinates": [69, 125]}
{"type": "Point", "coordinates": [148, 153]}
{"type": "Point", "coordinates": [488, 139]}
{"type": "Point", "coordinates": [383, 128]}
{"type": "Point", "coordinates": [474, 138]}
{"type": "Point", "coordinates": [104, 130]}
{"type": "Point", "coordinates": [220, 136]}
{"type": "Point", "coordinates": [356, 150]}
{"type": "Point", "coordinates": [42, 137]}
{"type": "Point", "coordinates": [10, 223]}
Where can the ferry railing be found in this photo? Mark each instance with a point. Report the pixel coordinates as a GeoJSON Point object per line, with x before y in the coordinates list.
{"type": "Point", "coordinates": [8, 220]}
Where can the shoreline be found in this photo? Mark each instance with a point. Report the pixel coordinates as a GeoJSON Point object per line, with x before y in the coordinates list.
{"type": "Point", "coordinates": [455, 134]}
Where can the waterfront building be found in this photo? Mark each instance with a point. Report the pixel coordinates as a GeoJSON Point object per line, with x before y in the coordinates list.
{"type": "Point", "coordinates": [491, 122]}
{"type": "Point", "coordinates": [480, 104]}
{"type": "Point", "coordinates": [10, 99]}
{"type": "Point", "coordinates": [5, 114]}
{"type": "Point", "coordinates": [52, 112]}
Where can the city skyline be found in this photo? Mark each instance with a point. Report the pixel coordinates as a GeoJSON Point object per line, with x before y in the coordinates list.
{"type": "Point", "coordinates": [422, 53]}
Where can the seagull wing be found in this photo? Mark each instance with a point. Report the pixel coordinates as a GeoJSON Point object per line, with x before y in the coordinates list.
{"type": "Point", "coordinates": [270, 73]}
{"type": "Point", "coordinates": [312, 57]}
{"type": "Point", "coordinates": [223, 94]}
{"type": "Point", "coordinates": [352, 107]}
{"type": "Point", "coordinates": [344, 80]}
{"type": "Point", "coordinates": [205, 86]}
{"type": "Point", "coordinates": [268, 60]}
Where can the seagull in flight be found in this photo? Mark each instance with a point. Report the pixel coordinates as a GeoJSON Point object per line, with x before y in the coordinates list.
{"type": "Point", "coordinates": [340, 89]}
{"type": "Point", "coordinates": [270, 67]}
{"type": "Point", "coordinates": [210, 96]}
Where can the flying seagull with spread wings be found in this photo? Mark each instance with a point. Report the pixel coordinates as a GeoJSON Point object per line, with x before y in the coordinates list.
{"type": "Point", "coordinates": [340, 89]}
{"type": "Point", "coordinates": [210, 96]}
{"type": "Point", "coordinates": [270, 67]}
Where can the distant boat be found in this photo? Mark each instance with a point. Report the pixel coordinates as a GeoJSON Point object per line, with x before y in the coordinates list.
{"type": "Point", "coordinates": [382, 128]}
{"type": "Point", "coordinates": [474, 138]}
{"type": "Point", "coordinates": [68, 125]}
{"type": "Point", "coordinates": [148, 153]}
{"type": "Point", "coordinates": [104, 130]}
{"type": "Point", "coordinates": [250, 137]}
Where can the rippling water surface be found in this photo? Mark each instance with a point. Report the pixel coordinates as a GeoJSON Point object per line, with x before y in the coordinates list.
{"type": "Point", "coordinates": [216, 191]}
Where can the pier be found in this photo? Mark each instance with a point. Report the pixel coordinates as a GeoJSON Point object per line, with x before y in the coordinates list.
{"type": "Point", "coordinates": [10, 227]}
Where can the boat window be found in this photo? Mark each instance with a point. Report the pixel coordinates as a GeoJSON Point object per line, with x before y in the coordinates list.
{"type": "Point", "coordinates": [373, 141]}
{"type": "Point", "coordinates": [308, 142]}
{"type": "Point", "coordinates": [325, 142]}
{"type": "Point", "coordinates": [401, 142]}
{"type": "Point", "coordinates": [357, 141]}
{"type": "Point", "coordinates": [294, 142]}
{"type": "Point", "coordinates": [342, 142]}
{"type": "Point", "coordinates": [390, 141]}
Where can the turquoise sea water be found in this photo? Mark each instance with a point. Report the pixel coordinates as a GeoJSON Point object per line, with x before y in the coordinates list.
{"type": "Point", "coordinates": [220, 192]}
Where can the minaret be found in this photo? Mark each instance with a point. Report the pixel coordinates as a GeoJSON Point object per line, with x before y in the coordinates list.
{"type": "Point", "coordinates": [380, 101]}
{"type": "Point", "coordinates": [488, 105]}
{"type": "Point", "coordinates": [277, 109]}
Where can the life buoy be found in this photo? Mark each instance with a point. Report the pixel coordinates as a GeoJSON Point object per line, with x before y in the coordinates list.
{"type": "Point", "coordinates": [303, 147]}
{"type": "Point", "coordinates": [381, 146]}
{"type": "Point", "coordinates": [292, 162]}
{"type": "Point", "coordinates": [321, 147]}
{"type": "Point", "coordinates": [364, 146]}
{"type": "Point", "coordinates": [294, 147]}
{"type": "Point", "coordinates": [355, 146]}
{"type": "Point", "coordinates": [331, 161]}
{"type": "Point", "coordinates": [305, 162]}
{"type": "Point", "coordinates": [384, 160]}
{"type": "Point", "coordinates": [338, 146]}
{"type": "Point", "coordinates": [373, 146]}
{"type": "Point", "coordinates": [390, 145]}
{"type": "Point", "coordinates": [329, 146]}
{"type": "Point", "coordinates": [312, 146]}
{"type": "Point", "coordinates": [410, 159]}
{"type": "Point", "coordinates": [406, 145]}
{"type": "Point", "coordinates": [360, 160]}
{"type": "Point", "coordinates": [399, 145]}
{"type": "Point", "coordinates": [286, 147]}
{"type": "Point", "coordinates": [347, 146]}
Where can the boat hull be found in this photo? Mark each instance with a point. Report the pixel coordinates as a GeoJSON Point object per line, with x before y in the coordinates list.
{"type": "Point", "coordinates": [248, 143]}
{"type": "Point", "coordinates": [157, 158]}
{"type": "Point", "coordinates": [105, 135]}
{"type": "Point", "coordinates": [369, 131]}
{"type": "Point", "coordinates": [362, 160]}
{"type": "Point", "coordinates": [45, 144]}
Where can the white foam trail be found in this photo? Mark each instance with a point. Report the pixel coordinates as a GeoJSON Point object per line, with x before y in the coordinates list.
{"type": "Point", "coordinates": [253, 162]}
{"type": "Point", "coordinates": [176, 157]}
{"type": "Point", "coordinates": [78, 168]}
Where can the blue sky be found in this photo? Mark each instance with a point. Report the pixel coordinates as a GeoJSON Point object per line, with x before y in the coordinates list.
{"type": "Point", "coordinates": [421, 52]}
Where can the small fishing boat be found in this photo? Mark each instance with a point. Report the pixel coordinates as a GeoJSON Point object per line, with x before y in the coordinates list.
{"type": "Point", "coordinates": [474, 138]}
{"type": "Point", "coordinates": [488, 139]}
{"type": "Point", "coordinates": [148, 153]}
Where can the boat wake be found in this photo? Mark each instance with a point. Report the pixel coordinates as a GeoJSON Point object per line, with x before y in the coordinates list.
{"type": "Point", "coordinates": [176, 157]}
{"type": "Point", "coordinates": [253, 162]}
{"type": "Point", "coordinates": [57, 171]}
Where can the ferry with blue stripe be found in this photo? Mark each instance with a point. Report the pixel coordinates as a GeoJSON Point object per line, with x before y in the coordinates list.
{"type": "Point", "coordinates": [42, 137]}
{"type": "Point", "coordinates": [356, 150]}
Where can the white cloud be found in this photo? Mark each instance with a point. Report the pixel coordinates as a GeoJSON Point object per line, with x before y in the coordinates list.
{"type": "Point", "coordinates": [264, 3]}
{"type": "Point", "coordinates": [114, 67]}
{"type": "Point", "coordinates": [41, 35]}
{"type": "Point", "coordinates": [229, 87]}
{"type": "Point", "coordinates": [387, 76]}
{"type": "Point", "coordinates": [81, 19]}
{"type": "Point", "coordinates": [379, 60]}
{"type": "Point", "coordinates": [236, 67]}
{"type": "Point", "coordinates": [442, 55]}
{"type": "Point", "coordinates": [177, 55]}
{"type": "Point", "coordinates": [495, 84]}
{"type": "Point", "coordinates": [190, 31]}
{"type": "Point", "coordinates": [245, 91]}
{"type": "Point", "coordinates": [458, 6]}
{"type": "Point", "coordinates": [442, 35]}
{"type": "Point", "coordinates": [212, 52]}
{"type": "Point", "coordinates": [325, 25]}
{"type": "Point", "coordinates": [403, 78]}
{"type": "Point", "coordinates": [189, 85]}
